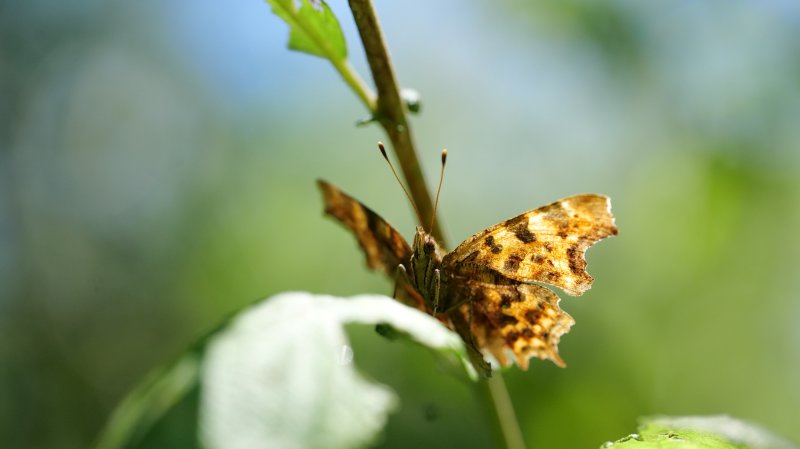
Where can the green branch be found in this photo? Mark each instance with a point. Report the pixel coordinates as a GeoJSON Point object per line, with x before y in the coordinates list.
{"type": "Point", "coordinates": [313, 29]}
{"type": "Point", "coordinates": [354, 80]}
{"type": "Point", "coordinates": [502, 411]}
{"type": "Point", "coordinates": [391, 110]}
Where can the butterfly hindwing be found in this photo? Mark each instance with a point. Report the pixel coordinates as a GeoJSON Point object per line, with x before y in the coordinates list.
{"type": "Point", "coordinates": [523, 319]}
{"type": "Point", "coordinates": [545, 245]}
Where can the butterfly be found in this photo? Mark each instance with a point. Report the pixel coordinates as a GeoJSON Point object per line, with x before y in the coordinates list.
{"type": "Point", "coordinates": [489, 288]}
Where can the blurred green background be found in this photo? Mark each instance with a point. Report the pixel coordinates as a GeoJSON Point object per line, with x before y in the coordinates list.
{"type": "Point", "coordinates": [157, 169]}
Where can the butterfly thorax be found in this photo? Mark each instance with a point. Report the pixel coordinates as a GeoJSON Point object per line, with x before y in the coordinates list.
{"type": "Point", "coordinates": [426, 259]}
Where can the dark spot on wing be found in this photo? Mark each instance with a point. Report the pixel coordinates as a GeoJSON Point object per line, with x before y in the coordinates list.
{"type": "Point", "coordinates": [509, 298]}
{"type": "Point", "coordinates": [511, 338]}
{"type": "Point", "coordinates": [513, 261]}
{"type": "Point", "coordinates": [372, 217]}
{"type": "Point", "coordinates": [496, 248]}
{"type": "Point", "coordinates": [548, 247]}
{"type": "Point", "coordinates": [527, 333]}
{"type": "Point", "coordinates": [562, 234]}
{"type": "Point", "coordinates": [537, 259]}
{"type": "Point", "coordinates": [507, 320]}
{"type": "Point", "coordinates": [533, 316]}
{"type": "Point", "coordinates": [523, 233]}
{"type": "Point", "coordinates": [575, 264]}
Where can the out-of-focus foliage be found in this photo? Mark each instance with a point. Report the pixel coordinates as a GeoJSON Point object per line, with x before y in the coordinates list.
{"type": "Point", "coordinates": [156, 173]}
{"type": "Point", "coordinates": [149, 402]}
{"type": "Point", "coordinates": [700, 432]}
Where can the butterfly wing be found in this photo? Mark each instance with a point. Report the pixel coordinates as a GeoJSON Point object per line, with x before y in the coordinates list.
{"type": "Point", "coordinates": [523, 319]}
{"type": "Point", "coordinates": [383, 246]}
{"type": "Point", "coordinates": [545, 245]}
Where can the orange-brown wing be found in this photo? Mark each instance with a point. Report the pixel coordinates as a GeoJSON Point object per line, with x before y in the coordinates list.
{"type": "Point", "coordinates": [545, 245]}
{"type": "Point", "coordinates": [384, 247]}
{"type": "Point", "coordinates": [523, 319]}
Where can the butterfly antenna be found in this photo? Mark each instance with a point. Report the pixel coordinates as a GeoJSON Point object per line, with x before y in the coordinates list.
{"type": "Point", "coordinates": [383, 152]}
{"type": "Point", "coordinates": [438, 189]}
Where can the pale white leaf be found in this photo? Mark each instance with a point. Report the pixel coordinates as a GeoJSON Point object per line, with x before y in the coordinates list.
{"type": "Point", "coordinates": [282, 374]}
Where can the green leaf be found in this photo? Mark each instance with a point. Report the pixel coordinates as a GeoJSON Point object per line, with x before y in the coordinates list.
{"type": "Point", "coordinates": [700, 432]}
{"type": "Point", "coordinates": [149, 402]}
{"type": "Point", "coordinates": [282, 374]}
{"type": "Point", "coordinates": [313, 28]}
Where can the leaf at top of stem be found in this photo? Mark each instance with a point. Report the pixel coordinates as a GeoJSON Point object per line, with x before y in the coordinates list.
{"type": "Point", "coordinates": [313, 28]}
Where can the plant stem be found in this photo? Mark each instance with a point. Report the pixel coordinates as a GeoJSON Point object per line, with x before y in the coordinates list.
{"type": "Point", "coordinates": [355, 82]}
{"type": "Point", "coordinates": [494, 393]}
{"type": "Point", "coordinates": [391, 111]}
{"type": "Point", "coordinates": [391, 114]}
{"type": "Point", "coordinates": [342, 65]}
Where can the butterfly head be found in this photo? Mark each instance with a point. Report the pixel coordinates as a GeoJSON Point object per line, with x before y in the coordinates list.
{"type": "Point", "coordinates": [426, 247]}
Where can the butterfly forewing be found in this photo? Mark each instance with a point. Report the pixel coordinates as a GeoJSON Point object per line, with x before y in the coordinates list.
{"type": "Point", "coordinates": [545, 245]}
{"type": "Point", "coordinates": [384, 247]}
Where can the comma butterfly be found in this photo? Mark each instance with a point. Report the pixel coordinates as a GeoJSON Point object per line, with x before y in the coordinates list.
{"type": "Point", "coordinates": [488, 288]}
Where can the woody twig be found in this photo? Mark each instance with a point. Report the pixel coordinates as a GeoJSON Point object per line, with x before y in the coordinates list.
{"type": "Point", "coordinates": [390, 110]}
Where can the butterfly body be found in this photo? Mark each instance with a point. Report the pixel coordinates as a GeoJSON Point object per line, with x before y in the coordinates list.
{"type": "Point", "coordinates": [423, 267]}
{"type": "Point", "coordinates": [488, 289]}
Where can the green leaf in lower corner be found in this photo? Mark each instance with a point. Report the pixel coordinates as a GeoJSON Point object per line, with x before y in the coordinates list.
{"type": "Point", "coordinates": [282, 374]}
{"type": "Point", "coordinates": [146, 404]}
{"type": "Point", "coordinates": [700, 432]}
{"type": "Point", "coordinates": [313, 28]}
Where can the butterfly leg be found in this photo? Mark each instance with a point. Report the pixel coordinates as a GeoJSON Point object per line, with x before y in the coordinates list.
{"type": "Point", "coordinates": [400, 273]}
{"type": "Point", "coordinates": [437, 281]}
